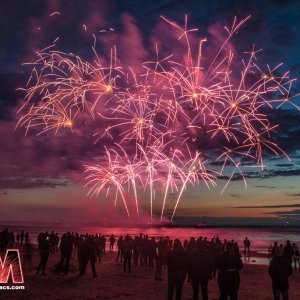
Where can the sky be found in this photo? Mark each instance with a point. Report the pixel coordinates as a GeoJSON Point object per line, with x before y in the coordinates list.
{"type": "Point", "coordinates": [41, 177]}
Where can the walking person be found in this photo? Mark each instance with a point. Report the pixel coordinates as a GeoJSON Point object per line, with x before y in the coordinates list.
{"type": "Point", "coordinates": [280, 269]}
{"type": "Point", "coordinates": [177, 263]}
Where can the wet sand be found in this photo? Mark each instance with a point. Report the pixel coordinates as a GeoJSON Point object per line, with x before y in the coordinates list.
{"type": "Point", "coordinates": [113, 283]}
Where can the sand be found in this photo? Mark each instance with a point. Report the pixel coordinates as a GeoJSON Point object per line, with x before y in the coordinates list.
{"type": "Point", "coordinates": [113, 283]}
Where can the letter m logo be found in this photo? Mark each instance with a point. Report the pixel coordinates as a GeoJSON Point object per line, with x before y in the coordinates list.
{"type": "Point", "coordinates": [11, 266]}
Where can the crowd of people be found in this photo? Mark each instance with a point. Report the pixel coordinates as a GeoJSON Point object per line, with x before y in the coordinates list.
{"type": "Point", "coordinates": [197, 260]}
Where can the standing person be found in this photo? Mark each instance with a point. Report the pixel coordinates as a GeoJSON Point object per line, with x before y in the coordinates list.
{"type": "Point", "coordinates": [159, 259]}
{"type": "Point", "coordinates": [44, 247]}
{"type": "Point", "coordinates": [279, 270]}
{"type": "Point", "coordinates": [112, 241]}
{"type": "Point", "coordinates": [56, 242]}
{"type": "Point", "coordinates": [103, 244]}
{"type": "Point", "coordinates": [288, 251]}
{"type": "Point", "coordinates": [87, 253]}
{"type": "Point", "coordinates": [66, 248]}
{"type": "Point", "coordinates": [168, 247]}
{"type": "Point", "coordinates": [200, 270]}
{"type": "Point", "coordinates": [18, 239]}
{"type": "Point", "coordinates": [246, 246]}
{"type": "Point", "coordinates": [296, 256]}
{"type": "Point", "coordinates": [76, 243]}
{"type": "Point", "coordinates": [127, 250]}
{"type": "Point", "coordinates": [152, 252]}
{"type": "Point", "coordinates": [270, 249]}
{"type": "Point", "coordinates": [120, 249]}
{"type": "Point", "coordinates": [177, 263]}
{"type": "Point", "coordinates": [28, 255]}
{"type": "Point", "coordinates": [52, 241]}
{"type": "Point", "coordinates": [229, 263]}
{"type": "Point", "coordinates": [99, 247]}
{"type": "Point", "coordinates": [273, 252]}
{"type": "Point", "coordinates": [22, 238]}
{"type": "Point", "coordinates": [11, 239]}
{"type": "Point", "coordinates": [26, 237]}
{"type": "Point", "coordinates": [215, 250]}
{"type": "Point", "coordinates": [136, 250]}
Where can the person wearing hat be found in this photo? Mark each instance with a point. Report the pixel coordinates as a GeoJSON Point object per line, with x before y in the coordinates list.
{"type": "Point", "coordinates": [279, 270]}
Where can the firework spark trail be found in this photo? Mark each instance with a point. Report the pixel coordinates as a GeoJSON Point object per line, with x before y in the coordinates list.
{"type": "Point", "coordinates": [100, 177]}
{"type": "Point", "coordinates": [152, 121]}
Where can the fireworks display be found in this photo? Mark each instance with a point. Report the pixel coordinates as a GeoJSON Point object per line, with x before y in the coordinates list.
{"type": "Point", "coordinates": [154, 125]}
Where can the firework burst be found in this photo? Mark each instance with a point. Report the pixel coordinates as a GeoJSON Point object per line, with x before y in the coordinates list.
{"type": "Point", "coordinates": [153, 122]}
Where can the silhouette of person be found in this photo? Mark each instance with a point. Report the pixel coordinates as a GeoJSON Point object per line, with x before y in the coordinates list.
{"type": "Point", "coordinates": [103, 244]}
{"type": "Point", "coordinates": [229, 263]}
{"type": "Point", "coordinates": [66, 248]}
{"type": "Point", "coordinates": [288, 251]}
{"type": "Point", "coordinates": [246, 246]}
{"type": "Point", "coordinates": [279, 270]}
{"type": "Point", "coordinates": [273, 252]}
{"type": "Point", "coordinates": [52, 241]}
{"type": "Point", "coordinates": [127, 250]}
{"type": "Point", "coordinates": [159, 259]}
{"type": "Point", "coordinates": [11, 239]}
{"type": "Point", "coordinates": [136, 249]}
{"type": "Point", "coordinates": [28, 254]}
{"type": "Point", "coordinates": [215, 250]}
{"type": "Point", "coordinates": [26, 237]}
{"type": "Point", "coordinates": [56, 242]}
{"type": "Point", "coordinates": [152, 252]}
{"type": "Point", "coordinates": [87, 253]}
{"type": "Point", "coordinates": [4, 239]}
{"type": "Point", "coordinates": [18, 239]}
{"type": "Point", "coordinates": [200, 270]}
{"type": "Point", "coordinates": [22, 238]}
{"type": "Point", "coordinates": [296, 256]}
{"type": "Point", "coordinates": [99, 247]}
{"type": "Point", "coordinates": [177, 263]}
{"type": "Point", "coordinates": [112, 241]}
{"type": "Point", "coordinates": [44, 247]}
{"type": "Point", "coordinates": [120, 249]}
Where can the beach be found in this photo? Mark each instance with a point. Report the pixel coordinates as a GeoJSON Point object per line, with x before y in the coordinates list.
{"type": "Point", "coordinates": [113, 283]}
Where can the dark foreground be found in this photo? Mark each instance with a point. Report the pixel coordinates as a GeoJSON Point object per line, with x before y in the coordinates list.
{"type": "Point", "coordinates": [112, 283]}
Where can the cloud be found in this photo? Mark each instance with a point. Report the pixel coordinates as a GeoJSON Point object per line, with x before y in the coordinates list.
{"type": "Point", "coordinates": [261, 175]}
{"type": "Point", "coordinates": [271, 206]}
{"type": "Point", "coordinates": [28, 183]}
{"type": "Point", "coordinates": [265, 186]}
{"type": "Point", "coordinates": [284, 165]}
{"type": "Point", "coordinates": [235, 195]}
{"type": "Point", "coordinates": [295, 212]}
{"type": "Point", "coordinates": [294, 195]}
